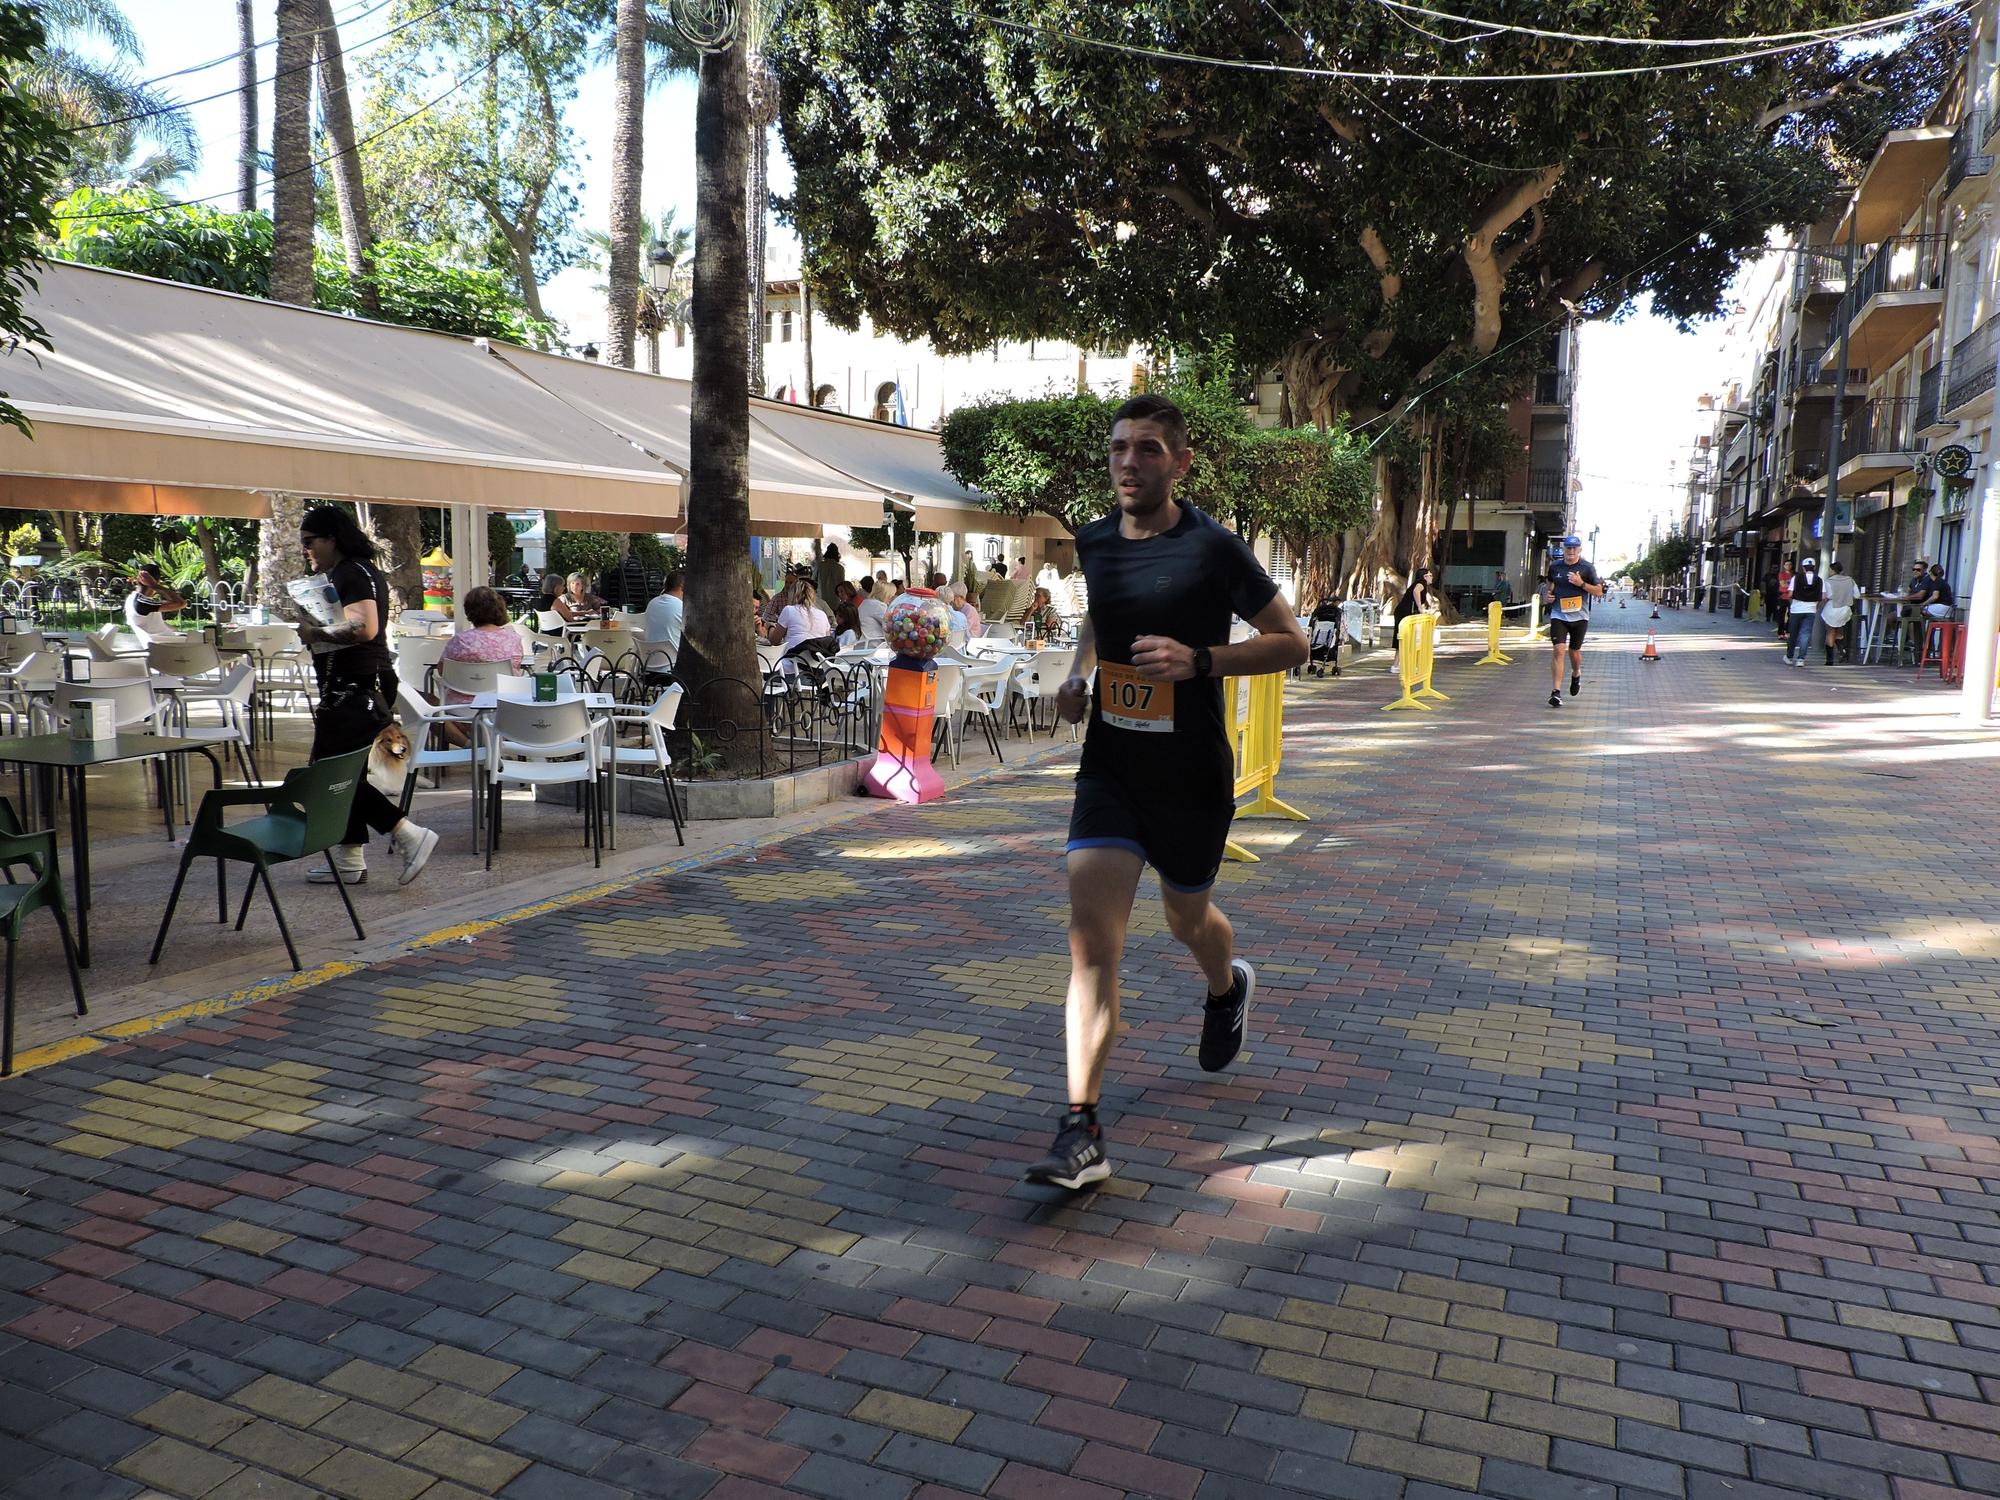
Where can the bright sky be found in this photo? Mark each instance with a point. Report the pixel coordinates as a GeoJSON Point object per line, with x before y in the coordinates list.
{"type": "Point", "coordinates": [1635, 396]}
{"type": "Point", "coordinates": [1635, 417]}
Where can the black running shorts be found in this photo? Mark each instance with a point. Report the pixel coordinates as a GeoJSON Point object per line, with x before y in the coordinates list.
{"type": "Point", "coordinates": [1181, 836]}
{"type": "Point", "coordinates": [1568, 633]}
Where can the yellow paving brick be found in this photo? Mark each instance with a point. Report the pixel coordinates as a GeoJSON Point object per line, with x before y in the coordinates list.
{"type": "Point", "coordinates": [1372, 1450]}
{"type": "Point", "coordinates": [1270, 1335]}
{"type": "Point", "coordinates": [1424, 1393]}
{"type": "Point", "coordinates": [177, 1468]}
{"type": "Point", "coordinates": [1907, 1325]}
{"type": "Point", "coordinates": [1538, 1385]}
{"type": "Point", "coordinates": [195, 1418]}
{"type": "Point", "coordinates": [285, 1449]}
{"type": "Point", "coordinates": [1444, 1340]}
{"type": "Point", "coordinates": [475, 1416]}
{"type": "Point", "coordinates": [600, 1237]}
{"type": "Point", "coordinates": [376, 1383]}
{"type": "Point", "coordinates": [1377, 1355]}
{"type": "Point", "coordinates": [1361, 1413]}
{"type": "Point", "coordinates": [1394, 1304]}
{"type": "Point", "coordinates": [1504, 1324]}
{"type": "Point", "coordinates": [908, 1414]}
{"type": "Point", "coordinates": [1331, 1319]}
{"type": "Point", "coordinates": [1486, 1439]}
{"type": "Point", "coordinates": [362, 1476]}
{"type": "Point", "coordinates": [608, 1211]}
{"type": "Point", "coordinates": [476, 1372]}
{"type": "Point", "coordinates": [286, 1401]}
{"type": "Point", "coordinates": [1558, 1361]}
{"type": "Point", "coordinates": [669, 1255]}
{"type": "Point", "coordinates": [361, 1426]}
{"type": "Point", "coordinates": [484, 1469]}
{"type": "Point", "coordinates": [1661, 1411]}
{"type": "Point", "coordinates": [1325, 1374]}
{"type": "Point", "coordinates": [254, 1239]}
{"type": "Point", "coordinates": [612, 1270]}
{"type": "Point", "coordinates": [1561, 1421]}
{"type": "Point", "coordinates": [1444, 1289]}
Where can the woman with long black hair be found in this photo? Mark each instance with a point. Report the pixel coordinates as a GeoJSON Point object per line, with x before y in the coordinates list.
{"type": "Point", "coordinates": [357, 689]}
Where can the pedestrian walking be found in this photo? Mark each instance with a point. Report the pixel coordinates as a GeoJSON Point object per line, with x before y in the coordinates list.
{"type": "Point", "coordinates": [1808, 593]}
{"type": "Point", "coordinates": [1836, 613]}
{"type": "Point", "coordinates": [1157, 780]}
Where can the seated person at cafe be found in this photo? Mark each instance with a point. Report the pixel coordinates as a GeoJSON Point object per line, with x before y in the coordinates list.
{"type": "Point", "coordinates": [666, 613]}
{"type": "Point", "coordinates": [1042, 622]}
{"type": "Point", "coordinates": [961, 604]}
{"type": "Point", "coordinates": [800, 621]}
{"type": "Point", "coordinates": [846, 613]}
{"type": "Point", "coordinates": [577, 603]}
{"type": "Point", "coordinates": [152, 599]}
{"type": "Point", "coordinates": [487, 637]}
{"type": "Point", "coordinates": [873, 613]}
{"type": "Point", "coordinates": [1910, 611]}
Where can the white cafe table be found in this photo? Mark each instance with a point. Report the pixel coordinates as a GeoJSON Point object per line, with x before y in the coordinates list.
{"type": "Point", "coordinates": [483, 705]}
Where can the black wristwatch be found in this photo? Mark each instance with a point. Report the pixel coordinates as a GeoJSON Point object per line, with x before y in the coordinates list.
{"type": "Point", "coordinates": [1204, 661]}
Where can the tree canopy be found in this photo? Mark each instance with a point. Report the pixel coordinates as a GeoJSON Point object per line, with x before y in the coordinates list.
{"type": "Point", "coordinates": [142, 232]}
{"type": "Point", "coordinates": [32, 157]}
{"type": "Point", "coordinates": [970, 181]}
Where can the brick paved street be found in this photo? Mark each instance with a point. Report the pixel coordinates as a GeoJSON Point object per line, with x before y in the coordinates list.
{"type": "Point", "coordinates": [1620, 1121]}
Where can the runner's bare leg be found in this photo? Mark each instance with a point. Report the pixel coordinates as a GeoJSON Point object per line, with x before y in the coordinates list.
{"type": "Point", "coordinates": [1102, 883]}
{"type": "Point", "coordinates": [1201, 928]}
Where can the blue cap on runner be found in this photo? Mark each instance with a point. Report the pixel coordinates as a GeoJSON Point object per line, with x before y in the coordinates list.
{"type": "Point", "coordinates": [1572, 541]}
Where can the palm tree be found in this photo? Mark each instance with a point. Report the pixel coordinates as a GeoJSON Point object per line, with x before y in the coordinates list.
{"type": "Point", "coordinates": [357, 233]}
{"type": "Point", "coordinates": [278, 559]}
{"type": "Point", "coordinates": [627, 155]}
{"type": "Point", "coordinates": [717, 643]}
{"type": "Point", "coordinates": [246, 105]}
{"type": "Point", "coordinates": [663, 241]}
{"type": "Point", "coordinates": [127, 131]}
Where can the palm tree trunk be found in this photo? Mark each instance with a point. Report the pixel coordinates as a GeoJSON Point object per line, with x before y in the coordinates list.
{"type": "Point", "coordinates": [211, 562]}
{"type": "Point", "coordinates": [279, 559]}
{"type": "Point", "coordinates": [399, 529]}
{"type": "Point", "coordinates": [246, 105]}
{"type": "Point", "coordinates": [757, 195]}
{"type": "Point", "coordinates": [291, 157]}
{"type": "Point", "coordinates": [628, 144]}
{"type": "Point", "coordinates": [357, 233]}
{"type": "Point", "coordinates": [806, 333]}
{"type": "Point", "coordinates": [717, 642]}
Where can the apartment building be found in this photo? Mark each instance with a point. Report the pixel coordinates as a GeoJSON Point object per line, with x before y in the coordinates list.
{"type": "Point", "coordinates": [1906, 271]}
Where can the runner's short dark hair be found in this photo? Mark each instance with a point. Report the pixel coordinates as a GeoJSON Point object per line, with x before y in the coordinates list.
{"type": "Point", "coordinates": [1156, 409]}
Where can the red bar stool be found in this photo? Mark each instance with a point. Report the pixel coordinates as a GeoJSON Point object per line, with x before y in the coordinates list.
{"type": "Point", "coordinates": [1942, 639]}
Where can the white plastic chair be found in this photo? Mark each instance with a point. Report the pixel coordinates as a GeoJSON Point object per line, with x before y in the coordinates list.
{"type": "Point", "coordinates": [1039, 676]}
{"type": "Point", "coordinates": [657, 722]}
{"type": "Point", "coordinates": [421, 722]}
{"type": "Point", "coordinates": [135, 706]}
{"type": "Point", "coordinates": [18, 646]}
{"type": "Point", "coordinates": [112, 642]}
{"type": "Point", "coordinates": [545, 744]}
{"type": "Point", "coordinates": [232, 700]}
{"type": "Point", "coordinates": [950, 696]}
{"type": "Point", "coordinates": [983, 696]}
{"type": "Point", "coordinates": [470, 677]}
{"type": "Point", "coordinates": [422, 653]}
{"type": "Point", "coordinates": [284, 666]}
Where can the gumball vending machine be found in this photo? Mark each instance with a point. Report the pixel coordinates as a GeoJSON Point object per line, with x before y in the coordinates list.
{"type": "Point", "coordinates": [917, 626]}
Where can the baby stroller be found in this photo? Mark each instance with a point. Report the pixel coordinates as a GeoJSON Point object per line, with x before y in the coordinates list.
{"type": "Point", "coordinates": [1324, 653]}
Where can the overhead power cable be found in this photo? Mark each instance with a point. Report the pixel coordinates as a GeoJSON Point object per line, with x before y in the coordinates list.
{"type": "Point", "coordinates": [235, 53]}
{"type": "Point", "coordinates": [1843, 32]}
{"type": "Point", "coordinates": [1293, 70]}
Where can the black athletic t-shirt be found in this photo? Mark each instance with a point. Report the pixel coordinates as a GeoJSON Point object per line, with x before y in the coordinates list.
{"type": "Point", "coordinates": [355, 582]}
{"type": "Point", "coordinates": [1187, 584]}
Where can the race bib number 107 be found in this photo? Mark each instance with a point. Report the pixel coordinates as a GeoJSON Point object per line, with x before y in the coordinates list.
{"type": "Point", "coordinates": [1130, 700]}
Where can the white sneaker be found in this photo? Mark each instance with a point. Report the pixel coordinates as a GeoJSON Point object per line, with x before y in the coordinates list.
{"type": "Point", "coordinates": [415, 844]}
{"type": "Point", "coordinates": [348, 859]}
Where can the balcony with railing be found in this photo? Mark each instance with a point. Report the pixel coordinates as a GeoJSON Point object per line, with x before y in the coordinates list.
{"type": "Point", "coordinates": [1552, 388]}
{"type": "Point", "coordinates": [1818, 273]}
{"type": "Point", "coordinates": [1548, 488]}
{"type": "Point", "coordinates": [1896, 297]}
{"type": "Point", "coordinates": [1972, 366]}
{"type": "Point", "coordinates": [1875, 442]}
{"type": "Point", "coordinates": [1970, 160]}
{"type": "Point", "coordinates": [1930, 395]}
{"type": "Point", "coordinates": [1820, 367]}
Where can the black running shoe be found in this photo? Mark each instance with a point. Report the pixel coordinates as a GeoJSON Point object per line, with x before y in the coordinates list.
{"type": "Point", "coordinates": [1075, 1160]}
{"type": "Point", "coordinates": [1225, 1019]}
{"type": "Point", "coordinates": [1555, 700]}
{"type": "Point", "coordinates": [1575, 683]}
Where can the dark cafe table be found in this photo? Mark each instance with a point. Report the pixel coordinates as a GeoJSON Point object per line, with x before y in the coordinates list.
{"type": "Point", "coordinates": [50, 753]}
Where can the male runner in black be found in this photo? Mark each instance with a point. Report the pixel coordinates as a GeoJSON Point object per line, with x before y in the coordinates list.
{"type": "Point", "coordinates": [1157, 780]}
{"type": "Point", "coordinates": [1569, 581]}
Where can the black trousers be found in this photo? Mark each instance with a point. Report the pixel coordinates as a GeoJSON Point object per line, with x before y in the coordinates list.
{"type": "Point", "coordinates": [350, 720]}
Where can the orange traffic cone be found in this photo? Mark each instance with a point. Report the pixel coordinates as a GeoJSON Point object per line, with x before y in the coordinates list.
{"type": "Point", "coordinates": [1652, 651]}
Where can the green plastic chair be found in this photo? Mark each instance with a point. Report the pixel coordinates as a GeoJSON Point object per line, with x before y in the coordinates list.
{"type": "Point", "coordinates": [18, 898]}
{"type": "Point", "coordinates": [305, 814]}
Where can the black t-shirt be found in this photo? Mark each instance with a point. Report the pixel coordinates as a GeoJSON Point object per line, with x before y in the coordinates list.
{"type": "Point", "coordinates": [1940, 590]}
{"type": "Point", "coordinates": [356, 581]}
{"type": "Point", "coordinates": [1187, 583]}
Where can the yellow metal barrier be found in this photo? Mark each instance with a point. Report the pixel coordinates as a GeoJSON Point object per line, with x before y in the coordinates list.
{"type": "Point", "coordinates": [1756, 610]}
{"type": "Point", "coordinates": [1494, 655]}
{"type": "Point", "coordinates": [1416, 655]}
{"type": "Point", "coordinates": [1534, 618]}
{"type": "Point", "coordinates": [1254, 710]}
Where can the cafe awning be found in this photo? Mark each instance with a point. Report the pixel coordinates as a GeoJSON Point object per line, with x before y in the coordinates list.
{"type": "Point", "coordinates": [654, 412]}
{"type": "Point", "coordinates": [899, 463]}
{"type": "Point", "coordinates": [157, 395]}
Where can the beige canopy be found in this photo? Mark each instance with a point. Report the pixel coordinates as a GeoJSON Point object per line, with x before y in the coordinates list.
{"type": "Point", "coordinates": [155, 384]}
{"type": "Point", "coordinates": [165, 399]}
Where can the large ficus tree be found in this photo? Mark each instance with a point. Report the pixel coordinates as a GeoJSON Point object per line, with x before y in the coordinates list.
{"type": "Point", "coordinates": [970, 181]}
